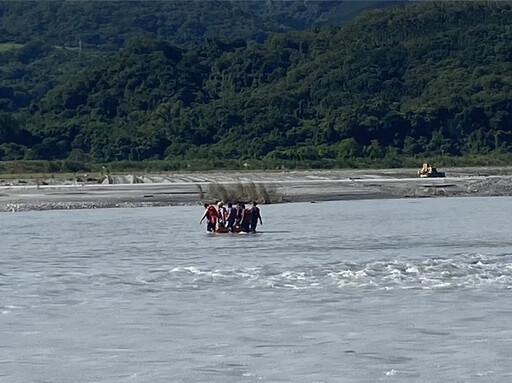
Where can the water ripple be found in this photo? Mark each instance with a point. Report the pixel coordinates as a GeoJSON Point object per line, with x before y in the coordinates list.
{"type": "Point", "coordinates": [433, 273]}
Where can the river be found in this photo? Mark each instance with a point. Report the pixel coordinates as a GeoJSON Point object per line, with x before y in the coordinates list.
{"type": "Point", "coordinates": [410, 290]}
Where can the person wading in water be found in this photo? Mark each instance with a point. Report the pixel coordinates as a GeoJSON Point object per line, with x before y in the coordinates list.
{"type": "Point", "coordinates": [211, 216]}
{"type": "Point", "coordinates": [245, 221]}
{"type": "Point", "coordinates": [231, 216]}
{"type": "Point", "coordinates": [255, 215]}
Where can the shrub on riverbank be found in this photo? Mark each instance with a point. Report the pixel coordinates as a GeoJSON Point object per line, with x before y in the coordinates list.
{"type": "Point", "coordinates": [244, 192]}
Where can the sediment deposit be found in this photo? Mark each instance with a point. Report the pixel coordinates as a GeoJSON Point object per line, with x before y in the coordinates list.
{"type": "Point", "coordinates": [295, 186]}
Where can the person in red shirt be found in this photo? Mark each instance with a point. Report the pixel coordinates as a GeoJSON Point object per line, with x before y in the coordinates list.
{"type": "Point", "coordinates": [211, 216]}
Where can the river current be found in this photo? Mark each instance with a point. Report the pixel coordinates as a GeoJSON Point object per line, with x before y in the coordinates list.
{"type": "Point", "coordinates": [404, 290]}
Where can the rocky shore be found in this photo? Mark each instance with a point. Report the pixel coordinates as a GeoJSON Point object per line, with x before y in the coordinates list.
{"type": "Point", "coordinates": [295, 186]}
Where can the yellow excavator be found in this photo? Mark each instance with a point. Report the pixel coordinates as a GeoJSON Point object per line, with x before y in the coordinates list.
{"type": "Point", "coordinates": [428, 171]}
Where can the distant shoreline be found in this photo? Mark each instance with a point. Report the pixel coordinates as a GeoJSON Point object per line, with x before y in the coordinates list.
{"type": "Point", "coordinates": [172, 189]}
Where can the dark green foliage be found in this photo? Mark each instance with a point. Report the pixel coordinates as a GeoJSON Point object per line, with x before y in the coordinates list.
{"type": "Point", "coordinates": [414, 81]}
{"type": "Point", "coordinates": [107, 25]}
{"type": "Point", "coordinates": [29, 72]}
{"type": "Point", "coordinates": [47, 45]}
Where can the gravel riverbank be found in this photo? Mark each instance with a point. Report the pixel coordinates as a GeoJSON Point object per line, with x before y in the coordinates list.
{"type": "Point", "coordinates": [294, 186]}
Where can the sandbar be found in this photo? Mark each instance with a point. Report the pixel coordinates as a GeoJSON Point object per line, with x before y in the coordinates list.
{"type": "Point", "coordinates": [182, 188]}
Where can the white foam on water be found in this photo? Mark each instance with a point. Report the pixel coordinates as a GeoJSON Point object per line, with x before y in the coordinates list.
{"type": "Point", "coordinates": [391, 372]}
{"type": "Point", "coordinates": [477, 271]}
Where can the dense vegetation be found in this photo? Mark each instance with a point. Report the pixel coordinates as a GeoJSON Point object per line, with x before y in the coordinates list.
{"type": "Point", "coordinates": [43, 43]}
{"type": "Point", "coordinates": [106, 25]}
{"type": "Point", "coordinates": [429, 79]}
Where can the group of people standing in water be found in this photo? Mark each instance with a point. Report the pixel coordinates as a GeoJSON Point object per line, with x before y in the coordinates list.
{"type": "Point", "coordinates": [233, 218]}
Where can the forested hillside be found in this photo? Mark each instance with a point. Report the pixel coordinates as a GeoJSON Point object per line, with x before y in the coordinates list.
{"type": "Point", "coordinates": [43, 43]}
{"type": "Point", "coordinates": [107, 25]}
{"type": "Point", "coordinates": [429, 79]}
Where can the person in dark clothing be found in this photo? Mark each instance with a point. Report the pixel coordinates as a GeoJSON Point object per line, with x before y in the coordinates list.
{"type": "Point", "coordinates": [255, 216]}
{"type": "Point", "coordinates": [245, 221]}
{"type": "Point", "coordinates": [231, 217]}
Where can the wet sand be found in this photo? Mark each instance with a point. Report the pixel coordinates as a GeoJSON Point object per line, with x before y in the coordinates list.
{"type": "Point", "coordinates": [181, 188]}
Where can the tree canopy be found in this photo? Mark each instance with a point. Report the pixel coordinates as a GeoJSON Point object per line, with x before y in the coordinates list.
{"type": "Point", "coordinates": [430, 78]}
